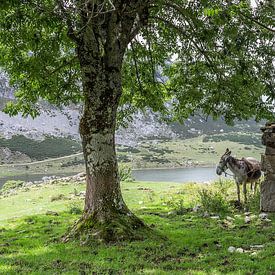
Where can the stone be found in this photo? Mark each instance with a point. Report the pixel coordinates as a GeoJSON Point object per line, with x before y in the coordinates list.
{"type": "Point", "coordinates": [257, 246]}
{"type": "Point", "coordinates": [247, 219]}
{"type": "Point", "coordinates": [196, 208]}
{"type": "Point", "coordinates": [52, 213]}
{"type": "Point", "coordinates": [231, 249]}
{"type": "Point", "coordinates": [239, 250]}
{"type": "Point", "coordinates": [263, 216]}
{"type": "Point", "coordinates": [172, 213]}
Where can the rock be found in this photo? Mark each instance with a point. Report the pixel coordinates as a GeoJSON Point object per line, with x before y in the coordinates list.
{"type": "Point", "coordinates": [247, 219]}
{"type": "Point", "coordinates": [28, 184]}
{"type": "Point", "coordinates": [239, 250]}
{"type": "Point", "coordinates": [52, 213]}
{"type": "Point", "coordinates": [230, 218]}
{"type": "Point", "coordinates": [263, 216]}
{"type": "Point", "coordinates": [215, 217]}
{"type": "Point", "coordinates": [81, 194]}
{"type": "Point", "coordinates": [257, 246]}
{"type": "Point", "coordinates": [196, 208]}
{"type": "Point", "coordinates": [172, 213]}
{"type": "Point", "coordinates": [205, 214]}
{"type": "Point", "coordinates": [140, 202]}
{"type": "Point", "coordinates": [231, 249]}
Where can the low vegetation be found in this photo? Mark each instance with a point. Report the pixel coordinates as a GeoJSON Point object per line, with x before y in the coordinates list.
{"type": "Point", "coordinates": [242, 138]}
{"type": "Point", "coordinates": [196, 229]}
{"type": "Point", "coordinates": [50, 147]}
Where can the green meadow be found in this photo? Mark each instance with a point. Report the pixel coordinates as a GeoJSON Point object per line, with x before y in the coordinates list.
{"type": "Point", "coordinates": [191, 226]}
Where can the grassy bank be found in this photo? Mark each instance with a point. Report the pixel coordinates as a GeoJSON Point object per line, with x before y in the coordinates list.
{"type": "Point", "coordinates": [191, 241]}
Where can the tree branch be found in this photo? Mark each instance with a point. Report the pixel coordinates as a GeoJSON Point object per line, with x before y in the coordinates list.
{"type": "Point", "coordinates": [71, 32]}
{"type": "Point", "coordinates": [179, 30]}
{"type": "Point", "coordinates": [257, 22]}
{"type": "Point", "coordinates": [66, 63]}
{"type": "Point", "coordinates": [136, 68]}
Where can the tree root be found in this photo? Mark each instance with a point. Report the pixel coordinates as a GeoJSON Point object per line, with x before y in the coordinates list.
{"type": "Point", "coordinates": [108, 228]}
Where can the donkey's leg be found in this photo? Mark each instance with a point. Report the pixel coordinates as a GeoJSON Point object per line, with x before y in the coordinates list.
{"type": "Point", "coordinates": [244, 192]}
{"type": "Point", "coordinates": [238, 192]}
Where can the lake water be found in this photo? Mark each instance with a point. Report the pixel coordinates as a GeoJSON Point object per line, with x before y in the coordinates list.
{"type": "Point", "coordinates": [180, 175]}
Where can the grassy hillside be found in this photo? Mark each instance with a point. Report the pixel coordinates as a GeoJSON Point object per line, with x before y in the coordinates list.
{"type": "Point", "coordinates": [182, 241]}
{"type": "Point", "coordinates": [50, 147]}
{"type": "Point", "coordinates": [198, 151]}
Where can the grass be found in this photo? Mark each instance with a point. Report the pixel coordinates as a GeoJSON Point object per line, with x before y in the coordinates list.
{"type": "Point", "coordinates": [191, 242]}
{"type": "Point", "coordinates": [198, 151]}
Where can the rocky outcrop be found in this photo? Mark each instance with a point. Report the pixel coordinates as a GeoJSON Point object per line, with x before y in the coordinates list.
{"type": "Point", "coordinates": [268, 166]}
{"type": "Point", "coordinates": [8, 156]}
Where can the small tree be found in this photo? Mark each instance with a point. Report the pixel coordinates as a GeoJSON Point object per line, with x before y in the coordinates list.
{"type": "Point", "coordinates": [175, 57]}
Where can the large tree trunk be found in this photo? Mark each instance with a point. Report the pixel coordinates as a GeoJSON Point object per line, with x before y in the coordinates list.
{"type": "Point", "coordinates": [100, 51]}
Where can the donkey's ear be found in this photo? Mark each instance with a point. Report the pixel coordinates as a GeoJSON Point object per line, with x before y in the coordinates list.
{"type": "Point", "coordinates": [229, 153]}
{"type": "Point", "coordinates": [227, 150]}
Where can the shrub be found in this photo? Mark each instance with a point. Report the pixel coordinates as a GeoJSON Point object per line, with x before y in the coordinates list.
{"type": "Point", "coordinates": [58, 197]}
{"type": "Point", "coordinates": [178, 206]}
{"type": "Point", "coordinates": [74, 208]}
{"type": "Point", "coordinates": [213, 201]}
{"type": "Point", "coordinates": [12, 184]}
{"type": "Point", "coordinates": [125, 173]}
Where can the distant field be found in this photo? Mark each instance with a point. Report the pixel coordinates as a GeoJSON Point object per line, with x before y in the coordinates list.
{"type": "Point", "coordinates": [199, 151]}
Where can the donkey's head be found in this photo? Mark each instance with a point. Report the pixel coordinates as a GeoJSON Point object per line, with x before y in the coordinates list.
{"type": "Point", "coordinates": [222, 166]}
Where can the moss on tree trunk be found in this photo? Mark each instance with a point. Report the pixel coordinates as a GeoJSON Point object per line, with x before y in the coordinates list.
{"type": "Point", "coordinates": [106, 216]}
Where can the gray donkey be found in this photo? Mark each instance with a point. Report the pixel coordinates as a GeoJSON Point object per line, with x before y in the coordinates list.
{"type": "Point", "coordinates": [244, 170]}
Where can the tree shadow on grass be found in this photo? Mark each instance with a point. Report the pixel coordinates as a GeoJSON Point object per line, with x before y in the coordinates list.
{"type": "Point", "coordinates": [32, 245]}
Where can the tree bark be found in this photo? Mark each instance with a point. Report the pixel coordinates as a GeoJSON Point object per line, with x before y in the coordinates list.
{"type": "Point", "coordinates": [100, 51]}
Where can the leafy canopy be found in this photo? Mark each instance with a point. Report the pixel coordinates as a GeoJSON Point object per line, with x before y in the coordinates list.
{"type": "Point", "coordinates": [213, 57]}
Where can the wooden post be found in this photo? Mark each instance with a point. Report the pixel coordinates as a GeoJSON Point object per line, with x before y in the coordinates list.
{"type": "Point", "coordinates": [268, 166]}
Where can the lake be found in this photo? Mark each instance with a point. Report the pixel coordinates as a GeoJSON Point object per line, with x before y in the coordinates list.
{"type": "Point", "coordinates": [180, 175]}
{"type": "Point", "coordinates": [194, 174]}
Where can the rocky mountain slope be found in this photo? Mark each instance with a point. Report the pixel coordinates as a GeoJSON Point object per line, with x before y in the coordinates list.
{"type": "Point", "coordinates": [64, 123]}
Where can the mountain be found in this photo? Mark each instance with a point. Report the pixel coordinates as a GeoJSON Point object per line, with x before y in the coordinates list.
{"type": "Point", "coordinates": [63, 123]}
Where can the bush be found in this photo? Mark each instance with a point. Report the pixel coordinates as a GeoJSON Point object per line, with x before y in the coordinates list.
{"type": "Point", "coordinates": [12, 184]}
{"type": "Point", "coordinates": [74, 208]}
{"type": "Point", "coordinates": [213, 201]}
{"type": "Point", "coordinates": [58, 197]}
{"type": "Point", "coordinates": [177, 206]}
{"type": "Point", "coordinates": [125, 173]}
